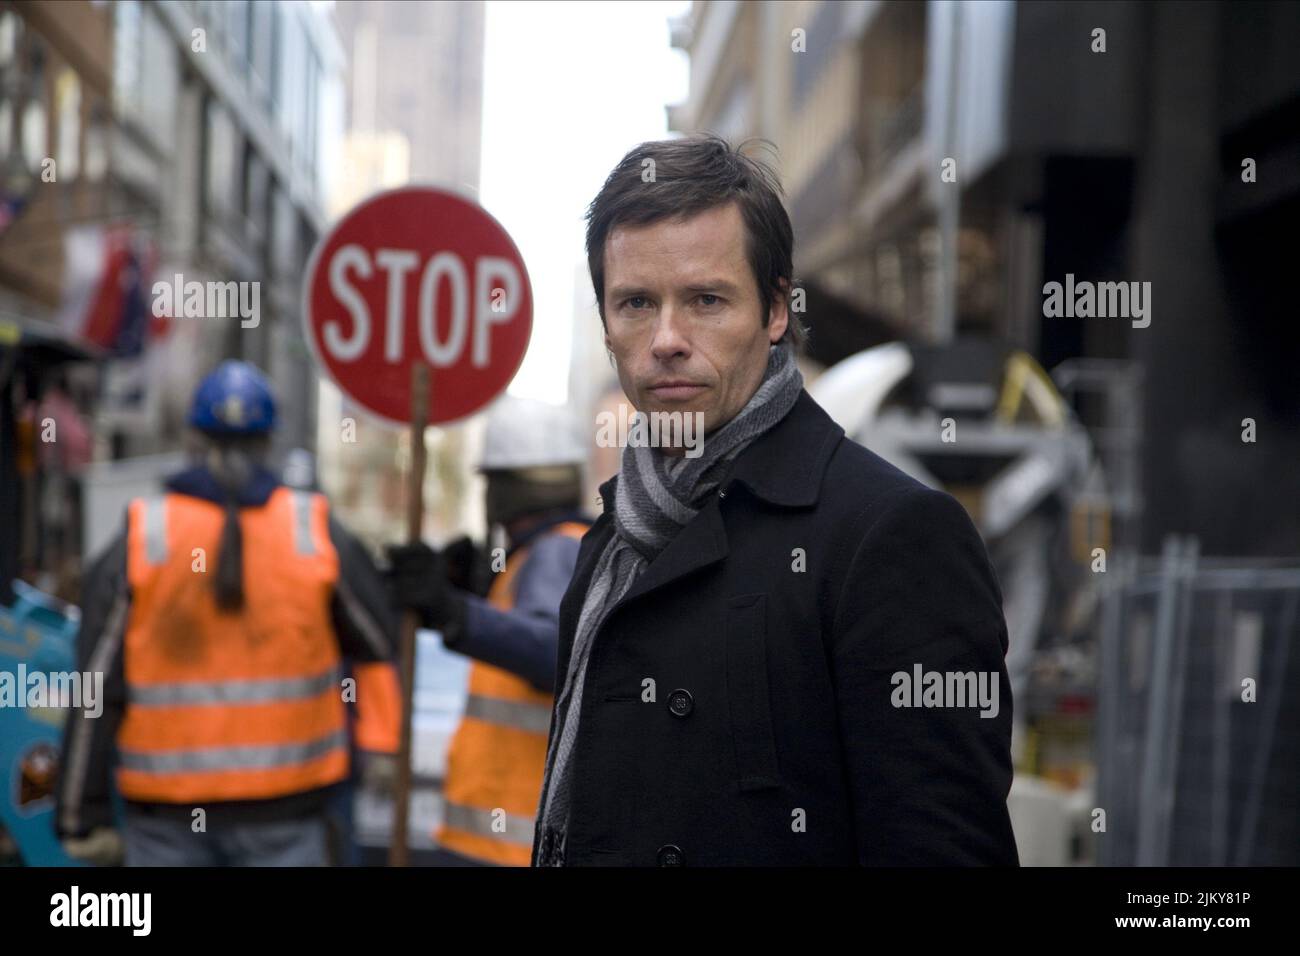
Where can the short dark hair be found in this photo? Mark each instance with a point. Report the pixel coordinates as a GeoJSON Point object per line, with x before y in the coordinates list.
{"type": "Point", "coordinates": [691, 175]}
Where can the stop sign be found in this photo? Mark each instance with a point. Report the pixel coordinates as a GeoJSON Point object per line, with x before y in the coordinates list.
{"type": "Point", "coordinates": [418, 273]}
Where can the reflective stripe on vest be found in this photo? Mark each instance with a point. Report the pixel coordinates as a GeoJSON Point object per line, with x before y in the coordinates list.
{"type": "Point", "coordinates": [155, 529]}
{"type": "Point", "coordinates": [222, 705]}
{"type": "Point", "coordinates": [498, 753]}
{"type": "Point", "coordinates": [248, 757]}
{"type": "Point", "coordinates": [483, 823]}
{"type": "Point", "coordinates": [519, 714]}
{"type": "Point", "coordinates": [302, 542]}
{"type": "Point", "coordinates": [234, 692]}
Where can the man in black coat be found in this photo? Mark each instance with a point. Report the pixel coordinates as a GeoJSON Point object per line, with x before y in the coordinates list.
{"type": "Point", "coordinates": [776, 648]}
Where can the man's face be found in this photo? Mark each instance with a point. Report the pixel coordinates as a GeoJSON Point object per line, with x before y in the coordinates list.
{"type": "Point", "coordinates": [683, 315]}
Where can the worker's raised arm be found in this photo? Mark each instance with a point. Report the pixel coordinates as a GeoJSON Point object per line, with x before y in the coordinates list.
{"type": "Point", "coordinates": [524, 640]}
{"type": "Point", "coordinates": [929, 774]}
{"type": "Point", "coordinates": [367, 631]}
{"type": "Point", "coordinates": [85, 777]}
{"type": "Point", "coordinates": [362, 608]}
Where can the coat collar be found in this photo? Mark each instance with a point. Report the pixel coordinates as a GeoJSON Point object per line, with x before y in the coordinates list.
{"type": "Point", "coordinates": [783, 467]}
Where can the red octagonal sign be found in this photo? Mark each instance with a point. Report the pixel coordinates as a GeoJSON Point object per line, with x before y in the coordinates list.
{"type": "Point", "coordinates": [418, 273]}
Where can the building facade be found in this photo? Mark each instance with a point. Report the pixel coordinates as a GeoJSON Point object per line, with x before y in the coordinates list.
{"type": "Point", "coordinates": [944, 161]}
{"type": "Point", "coordinates": [201, 131]}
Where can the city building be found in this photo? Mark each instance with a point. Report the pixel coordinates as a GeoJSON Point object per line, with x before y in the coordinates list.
{"type": "Point", "coordinates": [1005, 145]}
{"type": "Point", "coordinates": [163, 183]}
{"type": "Point", "coordinates": [198, 134]}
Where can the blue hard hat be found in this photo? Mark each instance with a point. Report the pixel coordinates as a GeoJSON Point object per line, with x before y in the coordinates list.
{"type": "Point", "coordinates": [235, 399]}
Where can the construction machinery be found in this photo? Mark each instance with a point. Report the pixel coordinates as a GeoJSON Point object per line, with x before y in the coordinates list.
{"type": "Point", "coordinates": [985, 423]}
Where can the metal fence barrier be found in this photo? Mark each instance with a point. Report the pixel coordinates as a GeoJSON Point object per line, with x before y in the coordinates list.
{"type": "Point", "coordinates": [1199, 712]}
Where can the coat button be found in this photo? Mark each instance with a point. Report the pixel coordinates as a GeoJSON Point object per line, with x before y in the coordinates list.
{"type": "Point", "coordinates": [680, 703]}
{"type": "Point", "coordinates": [671, 855]}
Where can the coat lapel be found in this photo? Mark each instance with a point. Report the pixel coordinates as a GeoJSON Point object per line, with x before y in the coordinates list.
{"type": "Point", "coordinates": [702, 542]}
{"type": "Point", "coordinates": [593, 544]}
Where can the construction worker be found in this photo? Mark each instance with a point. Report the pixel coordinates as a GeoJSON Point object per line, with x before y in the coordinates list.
{"type": "Point", "coordinates": [220, 617]}
{"type": "Point", "coordinates": [533, 464]}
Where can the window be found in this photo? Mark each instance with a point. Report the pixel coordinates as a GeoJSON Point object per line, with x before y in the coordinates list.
{"type": "Point", "coordinates": [67, 113]}
{"type": "Point", "coordinates": [822, 40]}
{"type": "Point", "coordinates": [11, 31]}
{"type": "Point", "coordinates": [34, 133]}
{"type": "Point", "coordinates": [237, 14]}
{"type": "Point", "coordinates": [261, 46]}
{"type": "Point", "coordinates": [257, 185]}
{"type": "Point", "coordinates": [146, 72]}
{"type": "Point", "coordinates": [6, 125]}
{"type": "Point", "coordinates": [35, 137]}
{"type": "Point", "coordinates": [159, 80]}
{"type": "Point", "coordinates": [284, 252]}
{"type": "Point", "coordinates": [310, 153]}
{"type": "Point", "coordinates": [126, 56]}
{"type": "Point", "coordinates": [290, 70]}
{"type": "Point", "coordinates": [277, 53]}
{"type": "Point", "coordinates": [220, 189]}
{"type": "Point", "coordinates": [97, 144]}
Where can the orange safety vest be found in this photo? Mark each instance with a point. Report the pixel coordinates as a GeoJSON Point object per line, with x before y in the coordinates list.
{"type": "Point", "coordinates": [230, 706]}
{"type": "Point", "coordinates": [379, 707]}
{"type": "Point", "coordinates": [498, 756]}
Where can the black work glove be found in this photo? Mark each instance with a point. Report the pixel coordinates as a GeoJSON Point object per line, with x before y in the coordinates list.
{"type": "Point", "coordinates": [418, 578]}
{"type": "Point", "coordinates": [469, 567]}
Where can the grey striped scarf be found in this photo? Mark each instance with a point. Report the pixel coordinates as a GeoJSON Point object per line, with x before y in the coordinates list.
{"type": "Point", "coordinates": [656, 496]}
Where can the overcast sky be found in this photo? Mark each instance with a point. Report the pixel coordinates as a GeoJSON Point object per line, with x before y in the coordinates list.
{"type": "Point", "coordinates": [568, 89]}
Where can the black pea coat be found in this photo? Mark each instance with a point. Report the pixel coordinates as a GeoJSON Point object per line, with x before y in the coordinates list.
{"type": "Point", "coordinates": [741, 704]}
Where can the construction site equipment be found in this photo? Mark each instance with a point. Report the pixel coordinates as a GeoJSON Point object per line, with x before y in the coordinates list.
{"type": "Point", "coordinates": [985, 423]}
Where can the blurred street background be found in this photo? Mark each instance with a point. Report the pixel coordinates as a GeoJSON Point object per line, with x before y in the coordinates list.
{"type": "Point", "coordinates": [1136, 476]}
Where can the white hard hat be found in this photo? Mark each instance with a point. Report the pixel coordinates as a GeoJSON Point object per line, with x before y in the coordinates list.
{"type": "Point", "coordinates": [522, 433]}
